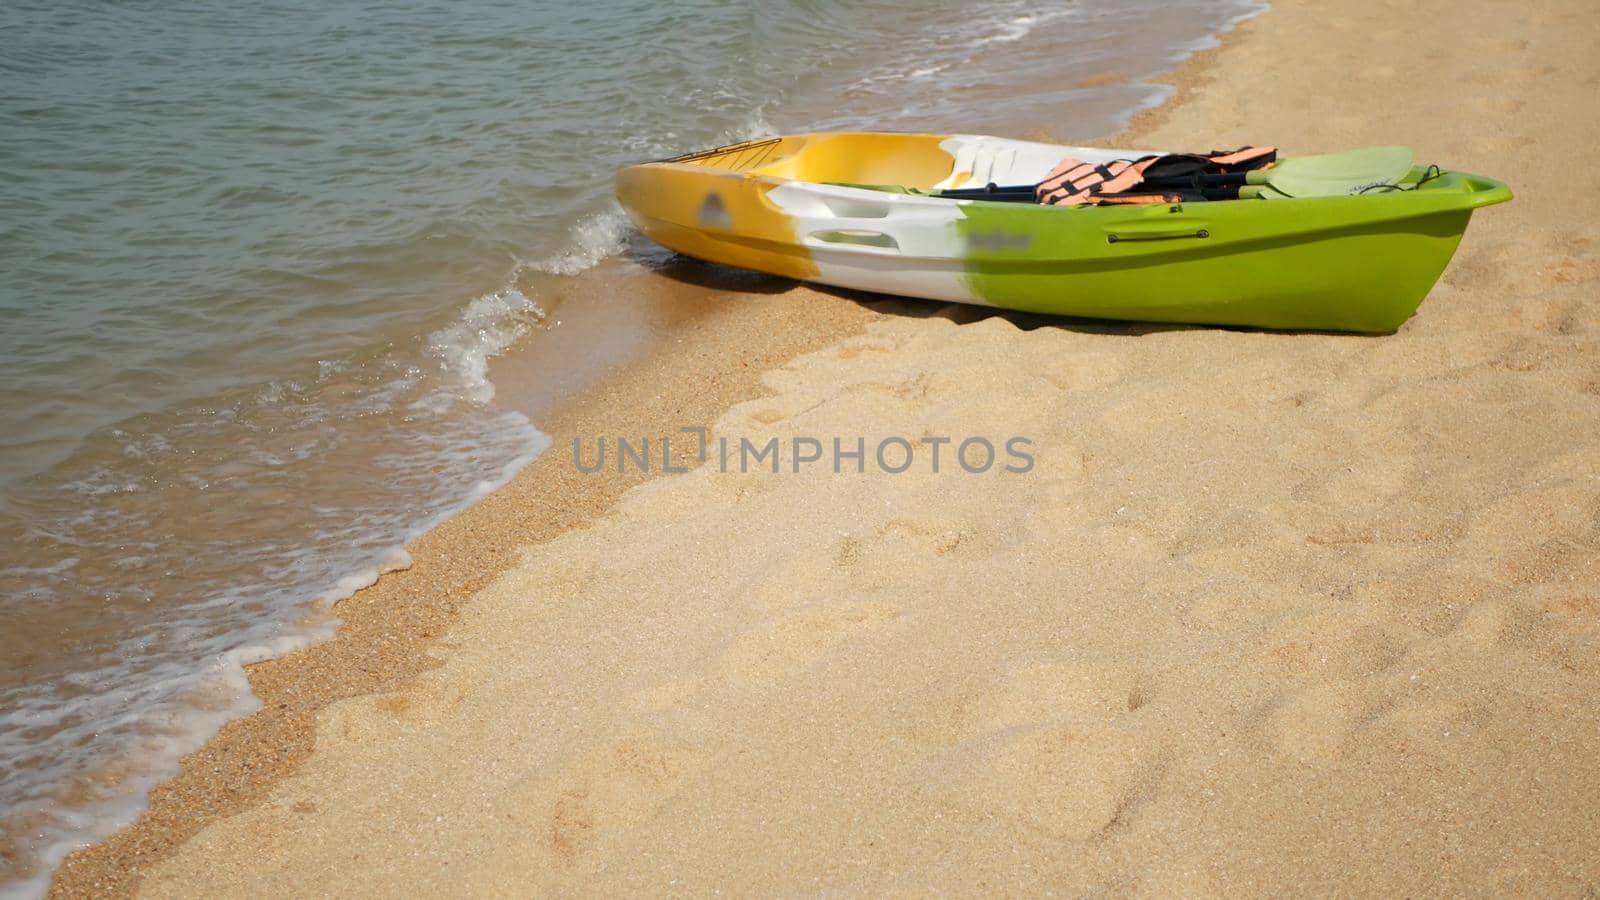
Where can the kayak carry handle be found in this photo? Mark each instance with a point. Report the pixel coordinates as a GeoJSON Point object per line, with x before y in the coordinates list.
{"type": "Point", "coordinates": [1011, 193]}
{"type": "Point", "coordinates": [857, 238]}
{"type": "Point", "coordinates": [1201, 233]}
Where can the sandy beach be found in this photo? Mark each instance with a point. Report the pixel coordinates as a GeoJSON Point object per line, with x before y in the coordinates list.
{"type": "Point", "coordinates": [1267, 612]}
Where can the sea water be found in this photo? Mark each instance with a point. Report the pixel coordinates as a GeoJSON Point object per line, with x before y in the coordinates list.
{"type": "Point", "coordinates": [255, 259]}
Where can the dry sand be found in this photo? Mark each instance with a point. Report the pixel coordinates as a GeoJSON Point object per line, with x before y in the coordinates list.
{"type": "Point", "coordinates": [1271, 612]}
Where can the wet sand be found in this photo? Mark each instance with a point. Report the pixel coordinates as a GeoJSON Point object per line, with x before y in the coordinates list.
{"type": "Point", "coordinates": [707, 346]}
{"type": "Point", "coordinates": [1271, 612]}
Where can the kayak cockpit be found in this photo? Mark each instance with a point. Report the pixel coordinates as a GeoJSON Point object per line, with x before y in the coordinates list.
{"type": "Point", "coordinates": [921, 162]}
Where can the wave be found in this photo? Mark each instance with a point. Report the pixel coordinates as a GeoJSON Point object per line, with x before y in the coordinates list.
{"type": "Point", "coordinates": [274, 500]}
{"type": "Point", "coordinates": [597, 237]}
{"type": "Point", "coordinates": [84, 748]}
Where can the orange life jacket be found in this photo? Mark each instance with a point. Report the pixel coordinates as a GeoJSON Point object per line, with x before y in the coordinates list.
{"type": "Point", "coordinates": [1075, 182]}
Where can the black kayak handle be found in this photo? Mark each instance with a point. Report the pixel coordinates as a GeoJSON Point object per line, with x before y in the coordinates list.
{"type": "Point", "coordinates": [990, 191]}
{"type": "Point", "coordinates": [993, 191]}
{"type": "Point", "coordinates": [1025, 193]}
{"type": "Point", "coordinates": [1120, 238]}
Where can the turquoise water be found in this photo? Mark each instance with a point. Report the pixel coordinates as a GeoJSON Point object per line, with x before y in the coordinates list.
{"type": "Point", "coordinates": [254, 260]}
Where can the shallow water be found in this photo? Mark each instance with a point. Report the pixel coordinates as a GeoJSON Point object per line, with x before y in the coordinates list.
{"type": "Point", "coordinates": [254, 261]}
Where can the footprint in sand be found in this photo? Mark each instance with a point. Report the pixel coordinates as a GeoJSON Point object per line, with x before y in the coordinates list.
{"type": "Point", "coordinates": [926, 534]}
{"type": "Point", "coordinates": [1316, 722]}
{"type": "Point", "coordinates": [912, 390]}
{"type": "Point", "coordinates": [430, 701]}
{"type": "Point", "coordinates": [433, 699]}
{"type": "Point", "coordinates": [1066, 782]}
{"type": "Point", "coordinates": [1060, 747]}
{"type": "Point", "coordinates": [893, 540]}
{"type": "Point", "coordinates": [1527, 537]}
{"type": "Point", "coordinates": [1332, 646]}
{"type": "Point", "coordinates": [1226, 601]}
{"type": "Point", "coordinates": [1081, 694]}
{"type": "Point", "coordinates": [1429, 603]}
{"type": "Point", "coordinates": [1574, 604]}
{"type": "Point", "coordinates": [1422, 723]}
{"type": "Point", "coordinates": [1481, 627]}
{"type": "Point", "coordinates": [613, 788]}
{"type": "Point", "coordinates": [1575, 263]}
{"type": "Point", "coordinates": [796, 641]}
{"type": "Point", "coordinates": [1579, 465]}
{"type": "Point", "coordinates": [1550, 258]}
{"type": "Point", "coordinates": [1077, 693]}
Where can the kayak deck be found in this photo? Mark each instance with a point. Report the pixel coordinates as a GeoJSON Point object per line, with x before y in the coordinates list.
{"type": "Point", "coordinates": [795, 206]}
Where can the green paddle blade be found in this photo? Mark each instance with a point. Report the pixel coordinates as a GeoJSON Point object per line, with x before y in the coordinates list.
{"type": "Point", "coordinates": [1334, 174]}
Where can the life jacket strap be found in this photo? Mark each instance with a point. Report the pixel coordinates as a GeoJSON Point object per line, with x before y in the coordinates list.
{"type": "Point", "coordinates": [1077, 183]}
{"type": "Point", "coordinates": [1244, 159]}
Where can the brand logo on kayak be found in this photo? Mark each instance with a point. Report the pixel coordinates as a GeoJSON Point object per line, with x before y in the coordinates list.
{"type": "Point", "coordinates": [713, 214]}
{"type": "Point", "coordinates": [998, 240]}
{"type": "Point", "coordinates": [893, 455]}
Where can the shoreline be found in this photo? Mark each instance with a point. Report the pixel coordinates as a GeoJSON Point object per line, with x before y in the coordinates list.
{"type": "Point", "coordinates": [389, 631]}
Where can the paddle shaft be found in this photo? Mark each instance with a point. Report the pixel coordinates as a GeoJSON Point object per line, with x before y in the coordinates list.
{"type": "Point", "coordinates": [1011, 195]}
{"type": "Point", "coordinates": [1203, 182]}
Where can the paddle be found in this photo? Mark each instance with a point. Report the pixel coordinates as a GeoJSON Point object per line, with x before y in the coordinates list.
{"type": "Point", "coordinates": [1325, 175]}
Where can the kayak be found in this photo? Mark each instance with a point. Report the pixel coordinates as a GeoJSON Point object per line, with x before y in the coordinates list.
{"type": "Point", "coordinates": [863, 210]}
